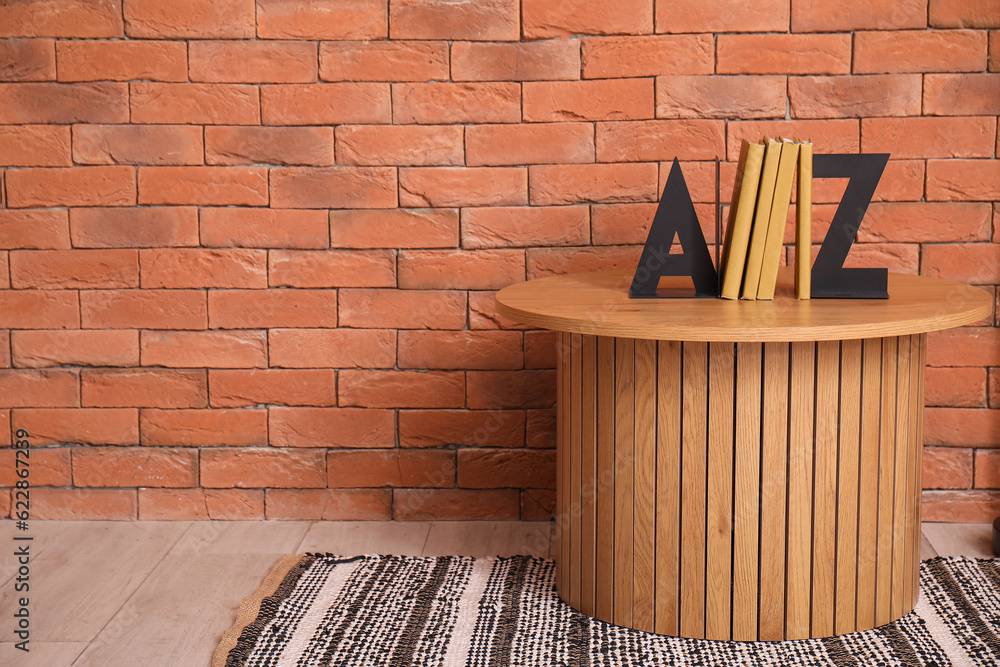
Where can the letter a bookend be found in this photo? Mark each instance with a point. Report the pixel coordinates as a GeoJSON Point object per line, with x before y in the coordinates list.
{"type": "Point", "coordinates": [675, 216]}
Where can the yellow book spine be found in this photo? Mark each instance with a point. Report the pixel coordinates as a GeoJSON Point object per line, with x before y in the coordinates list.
{"type": "Point", "coordinates": [777, 220]}
{"type": "Point", "coordinates": [758, 234]}
{"type": "Point", "coordinates": [803, 224]}
{"type": "Point", "coordinates": [741, 215]}
{"type": "Point", "coordinates": [727, 241]}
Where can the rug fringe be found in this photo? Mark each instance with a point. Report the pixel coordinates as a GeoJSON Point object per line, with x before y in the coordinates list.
{"type": "Point", "coordinates": [250, 607]}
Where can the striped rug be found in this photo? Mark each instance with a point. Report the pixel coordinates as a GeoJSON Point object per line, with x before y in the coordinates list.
{"type": "Point", "coordinates": [456, 611]}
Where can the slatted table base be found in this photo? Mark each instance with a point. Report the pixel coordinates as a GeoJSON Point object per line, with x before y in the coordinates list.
{"type": "Point", "coordinates": [745, 491]}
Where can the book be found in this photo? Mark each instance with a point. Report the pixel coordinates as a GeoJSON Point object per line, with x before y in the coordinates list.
{"type": "Point", "coordinates": [777, 219]}
{"type": "Point", "coordinates": [741, 211]}
{"type": "Point", "coordinates": [758, 232]}
{"type": "Point", "coordinates": [803, 223]}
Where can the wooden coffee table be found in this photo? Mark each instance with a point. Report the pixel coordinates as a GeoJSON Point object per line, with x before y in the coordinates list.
{"type": "Point", "coordinates": [744, 470]}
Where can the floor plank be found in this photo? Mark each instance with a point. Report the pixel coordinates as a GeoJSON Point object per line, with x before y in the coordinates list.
{"type": "Point", "coordinates": [926, 549]}
{"type": "Point", "coordinates": [41, 654]}
{"type": "Point", "coordinates": [488, 538]}
{"type": "Point", "coordinates": [974, 540]}
{"type": "Point", "coordinates": [242, 537]}
{"type": "Point", "coordinates": [352, 538]}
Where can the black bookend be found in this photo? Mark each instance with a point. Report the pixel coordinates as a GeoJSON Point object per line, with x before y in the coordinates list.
{"type": "Point", "coordinates": [675, 216]}
{"type": "Point", "coordinates": [830, 280]}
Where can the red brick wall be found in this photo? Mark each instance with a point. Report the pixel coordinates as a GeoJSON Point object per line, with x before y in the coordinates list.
{"type": "Point", "coordinates": [248, 250]}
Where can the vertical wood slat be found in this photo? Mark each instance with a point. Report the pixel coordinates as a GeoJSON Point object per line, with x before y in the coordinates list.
{"type": "Point", "coordinates": [719, 537]}
{"type": "Point", "coordinates": [773, 465]}
{"type": "Point", "coordinates": [605, 555]}
{"type": "Point", "coordinates": [588, 484]}
{"type": "Point", "coordinates": [800, 475]}
{"type": "Point", "coordinates": [668, 487]}
{"type": "Point", "coordinates": [825, 487]}
{"type": "Point", "coordinates": [913, 460]}
{"type": "Point", "coordinates": [746, 489]}
{"type": "Point", "coordinates": [644, 510]}
{"type": "Point", "coordinates": [868, 481]}
{"type": "Point", "coordinates": [901, 485]}
{"type": "Point", "coordinates": [918, 403]}
{"type": "Point", "coordinates": [847, 486]}
{"type": "Point", "coordinates": [575, 468]}
{"type": "Point", "coordinates": [624, 454]}
{"type": "Point", "coordinates": [694, 427]}
{"type": "Point", "coordinates": [562, 491]}
{"type": "Point", "coordinates": [886, 478]}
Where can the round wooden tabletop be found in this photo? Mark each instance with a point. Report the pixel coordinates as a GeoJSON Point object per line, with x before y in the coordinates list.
{"type": "Point", "coordinates": [598, 303]}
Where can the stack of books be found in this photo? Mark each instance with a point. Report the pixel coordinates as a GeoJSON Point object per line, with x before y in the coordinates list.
{"type": "Point", "coordinates": [757, 213]}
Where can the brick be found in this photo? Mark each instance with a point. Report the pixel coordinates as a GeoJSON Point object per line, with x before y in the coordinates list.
{"type": "Point", "coordinates": [329, 504]}
{"type": "Point", "coordinates": [200, 504]}
{"type": "Point", "coordinates": [203, 428]}
{"type": "Point", "coordinates": [544, 262]}
{"type": "Point", "coordinates": [483, 313]}
{"type": "Point", "coordinates": [43, 230]}
{"type": "Point", "coordinates": [326, 104]}
{"type": "Point", "coordinates": [926, 222]}
{"type": "Point", "coordinates": [656, 140]}
{"type": "Point", "coordinates": [855, 96]}
{"type": "Point", "coordinates": [121, 60]}
{"type": "Point", "coordinates": [383, 61]}
{"type": "Point", "coordinates": [49, 467]}
{"type": "Point", "coordinates": [262, 468]}
{"type": "Point", "coordinates": [144, 309]}
{"type": "Point", "coordinates": [455, 504]}
{"type": "Point", "coordinates": [537, 504]}
{"type": "Point", "coordinates": [962, 427]}
{"type": "Point", "coordinates": [621, 223]}
{"type": "Point", "coordinates": [460, 269]}
{"type": "Point", "coordinates": [477, 428]}
{"type": "Point", "coordinates": [511, 389]}
{"type": "Point", "coordinates": [27, 60]}
{"type": "Point", "coordinates": [332, 348]}
{"type": "Point", "coordinates": [391, 467]}
{"type": "Point", "coordinates": [274, 145]}
{"type": "Point", "coordinates": [993, 64]}
{"type": "Point", "coordinates": [200, 349]}
{"type": "Point", "coordinates": [503, 468]}
{"type": "Point", "coordinates": [501, 227]}
{"type": "Point", "coordinates": [842, 15]}
{"type": "Point", "coordinates": [264, 309]}
{"type": "Point", "coordinates": [536, 143]}
{"type": "Point", "coordinates": [994, 387]}
{"type": "Point", "coordinates": [784, 54]}
{"type": "Point", "coordinates": [922, 138]}
{"type": "Point", "coordinates": [84, 504]}
{"type": "Point", "coordinates": [240, 388]}
{"type": "Point", "coordinates": [400, 145]}
{"type": "Point", "coordinates": [39, 389]}
{"type": "Point", "coordinates": [39, 309]}
{"type": "Point", "coordinates": [142, 227]}
{"type": "Point", "coordinates": [322, 19]}
{"type": "Point", "coordinates": [968, 346]}
{"type": "Point", "coordinates": [396, 228]}
{"type": "Point", "coordinates": [402, 309]}
{"type": "Point", "coordinates": [35, 146]}
{"type": "Point", "coordinates": [332, 268]}
{"type": "Point", "coordinates": [608, 99]}
{"type": "Point", "coordinates": [138, 144]}
{"type": "Point", "coordinates": [542, 19]}
{"type": "Point", "coordinates": [541, 429]}
{"type": "Point", "coordinates": [61, 18]}
{"type": "Point", "coordinates": [835, 136]}
{"type": "Point", "coordinates": [955, 387]}
{"type": "Point", "coordinates": [960, 506]}
{"type": "Point", "coordinates": [203, 186]}
{"type": "Point", "coordinates": [976, 263]}
{"type": "Point", "coordinates": [897, 257]}
{"type": "Point", "coordinates": [443, 103]}
{"type": "Point", "coordinates": [333, 187]}
{"type": "Point", "coordinates": [196, 19]}
{"type": "Point", "coordinates": [483, 350]}
{"type": "Point", "coordinates": [253, 61]}
{"type": "Point", "coordinates": [5, 362]}
{"type": "Point", "coordinates": [643, 56]}
{"type": "Point", "coordinates": [962, 14]}
{"type": "Point", "coordinates": [463, 186]}
{"type": "Point", "coordinates": [592, 183]}
{"type": "Point", "coordinates": [919, 51]}
{"type": "Point", "coordinates": [987, 469]}
{"type": "Point", "coordinates": [401, 389]}
{"type": "Point", "coordinates": [968, 180]}
{"type": "Point", "coordinates": [720, 96]}
{"type": "Point", "coordinates": [71, 186]}
{"type": "Point", "coordinates": [112, 466]}
{"type": "Point", "coordinates": [726, 16]}
{"type": "Point", "coordinates": [5, 428]}
{"type": "Point", "coordinates": [40, 349]}
{"type": "Point", "coordinates": [264, 228]}
{"type": "Point", "coordinates": [198, 267]}
{"type": "Point", "coordinates": [194, 103]}
{"type": "Point", "coordinates": [452, 20]}
{"type": "Point", "coordinates": [902, 180]}
{"type": "Point", "coordinates": [540, 349]}
{"type": "Point", "coordinates": [74, 269]}
{"type": "Point", "coordinates": [543, 60]}
{"type": "Point", "coordinates": [331, 427]}
{"type": "Point", "coordinates": [85, 426]}
{"type": "Point", "coordinates": [143, 388]}
{"type": "Point", "coordinates": [947, 468]}
{"type": "Point", "coordinates": [62, 103]}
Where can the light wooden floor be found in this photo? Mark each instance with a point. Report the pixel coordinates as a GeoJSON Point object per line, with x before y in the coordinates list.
{"type": "Point", "coordinates": [159, 593]}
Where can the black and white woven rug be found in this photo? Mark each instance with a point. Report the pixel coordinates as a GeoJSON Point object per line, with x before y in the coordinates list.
{"type": "Point", "coordinates": [457, 611]}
